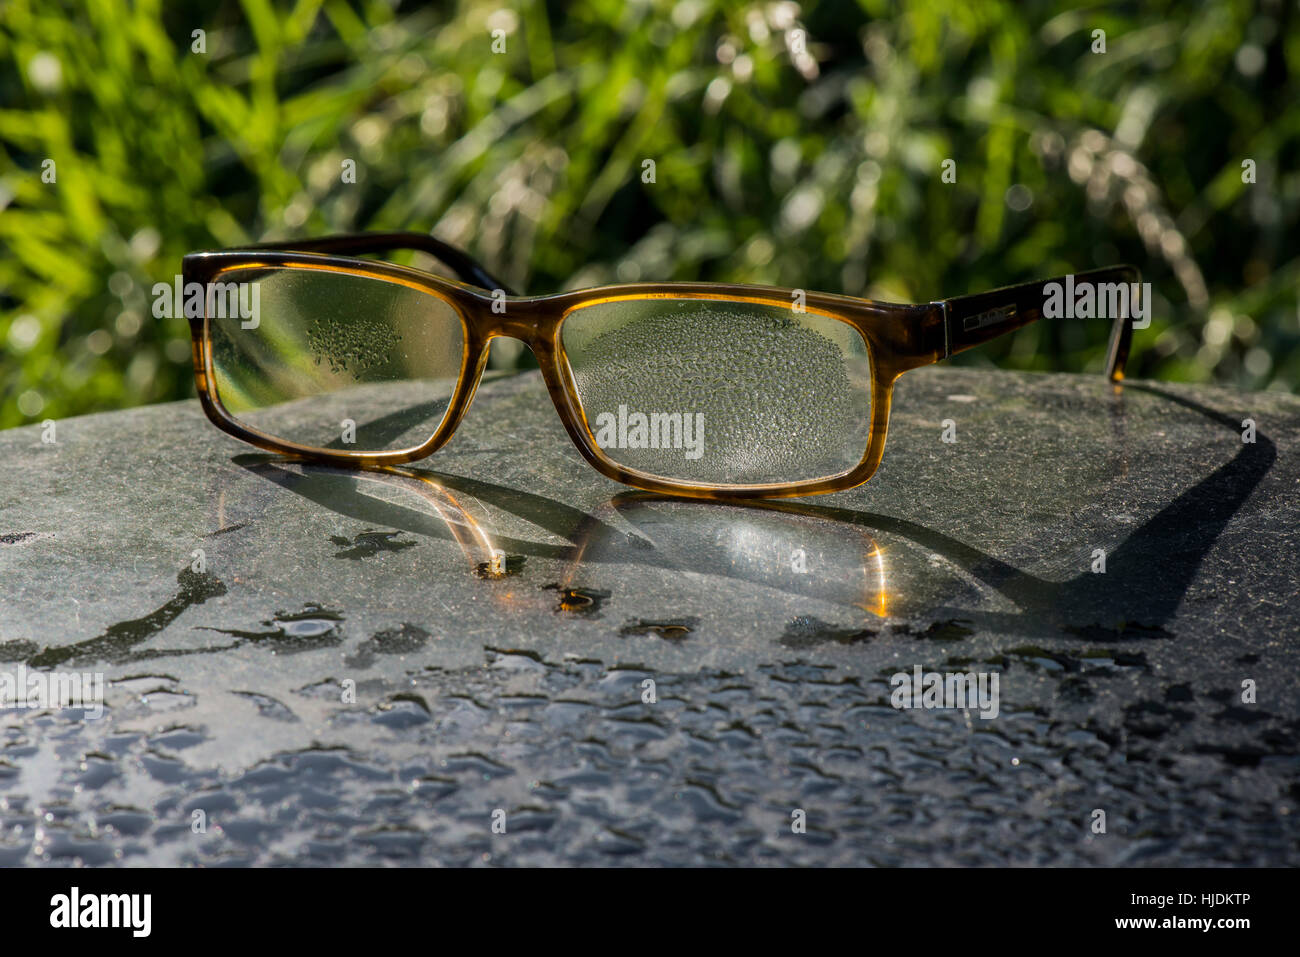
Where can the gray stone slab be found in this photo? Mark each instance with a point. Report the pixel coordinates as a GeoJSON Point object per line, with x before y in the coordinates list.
{"type": "Point", "coordinates": [770, 632]}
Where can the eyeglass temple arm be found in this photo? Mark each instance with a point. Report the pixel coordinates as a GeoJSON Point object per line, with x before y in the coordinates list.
{"type": "Point", "coordinates": [976, 319]}
{"type": "Point", "coordinates": [466, 268]}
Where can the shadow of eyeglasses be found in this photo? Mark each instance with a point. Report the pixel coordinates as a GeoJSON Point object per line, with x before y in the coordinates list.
{"type": "Point", "coordinates": [1126, 603]}
{"type": "Point", "coordinates": [816, 551]}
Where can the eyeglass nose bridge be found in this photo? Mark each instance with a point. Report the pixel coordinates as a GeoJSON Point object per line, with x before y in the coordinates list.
{"type": "Point", "coordinates": [531, 321]}
{"type": "Point", "coordinates": [536, 323]}
{"type": "Point", "coordinates": [528, 330]}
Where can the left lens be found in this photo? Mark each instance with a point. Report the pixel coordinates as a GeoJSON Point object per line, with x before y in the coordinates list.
{"type": "Point", "coordinates": [720, 392]}
{"type": "Point", "coordinates": [330, 359]}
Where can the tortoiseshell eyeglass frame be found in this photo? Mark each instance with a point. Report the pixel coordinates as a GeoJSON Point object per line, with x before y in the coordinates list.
{"type": "Point", "coordinates": [899, 337]}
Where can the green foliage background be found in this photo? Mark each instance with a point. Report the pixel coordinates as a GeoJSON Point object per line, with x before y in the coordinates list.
{"type": "Point", "coordinates": [818, 170]}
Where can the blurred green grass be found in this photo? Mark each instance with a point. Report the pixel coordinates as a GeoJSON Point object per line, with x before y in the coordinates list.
{"type": "Point", "coordinates": [817, 169]}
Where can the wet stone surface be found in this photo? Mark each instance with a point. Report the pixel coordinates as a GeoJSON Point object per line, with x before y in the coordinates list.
{"type": "Point", "coordinates": [366, 667]}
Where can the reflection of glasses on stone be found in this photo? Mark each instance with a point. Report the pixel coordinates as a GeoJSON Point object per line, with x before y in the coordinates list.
{"type": "Point", "coordinates": [360, 362]}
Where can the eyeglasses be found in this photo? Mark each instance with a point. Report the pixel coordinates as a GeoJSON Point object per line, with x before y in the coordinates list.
{"type": "Point", "coordinates": [712, 391]}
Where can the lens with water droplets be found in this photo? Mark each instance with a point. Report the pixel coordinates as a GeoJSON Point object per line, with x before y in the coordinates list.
{"type": "Point", "coordinates": [333, 360]}
{"type": "Point", "coordinates": [720, 392]}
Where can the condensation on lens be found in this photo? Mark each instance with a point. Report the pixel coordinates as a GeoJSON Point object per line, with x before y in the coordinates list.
{"type": "Point", "coordinates": [334, 360]}
{"type": "Point", "coordinates": [720, 392]}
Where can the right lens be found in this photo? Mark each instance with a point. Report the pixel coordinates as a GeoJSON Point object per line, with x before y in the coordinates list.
{"type": "Point", "coordinates": [721, 391]}
{"type": "Point", "coordinates": [331, 359]}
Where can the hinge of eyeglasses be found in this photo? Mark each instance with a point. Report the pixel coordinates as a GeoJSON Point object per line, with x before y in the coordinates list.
{"type": "Point", "coordinates": [947, 335]}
